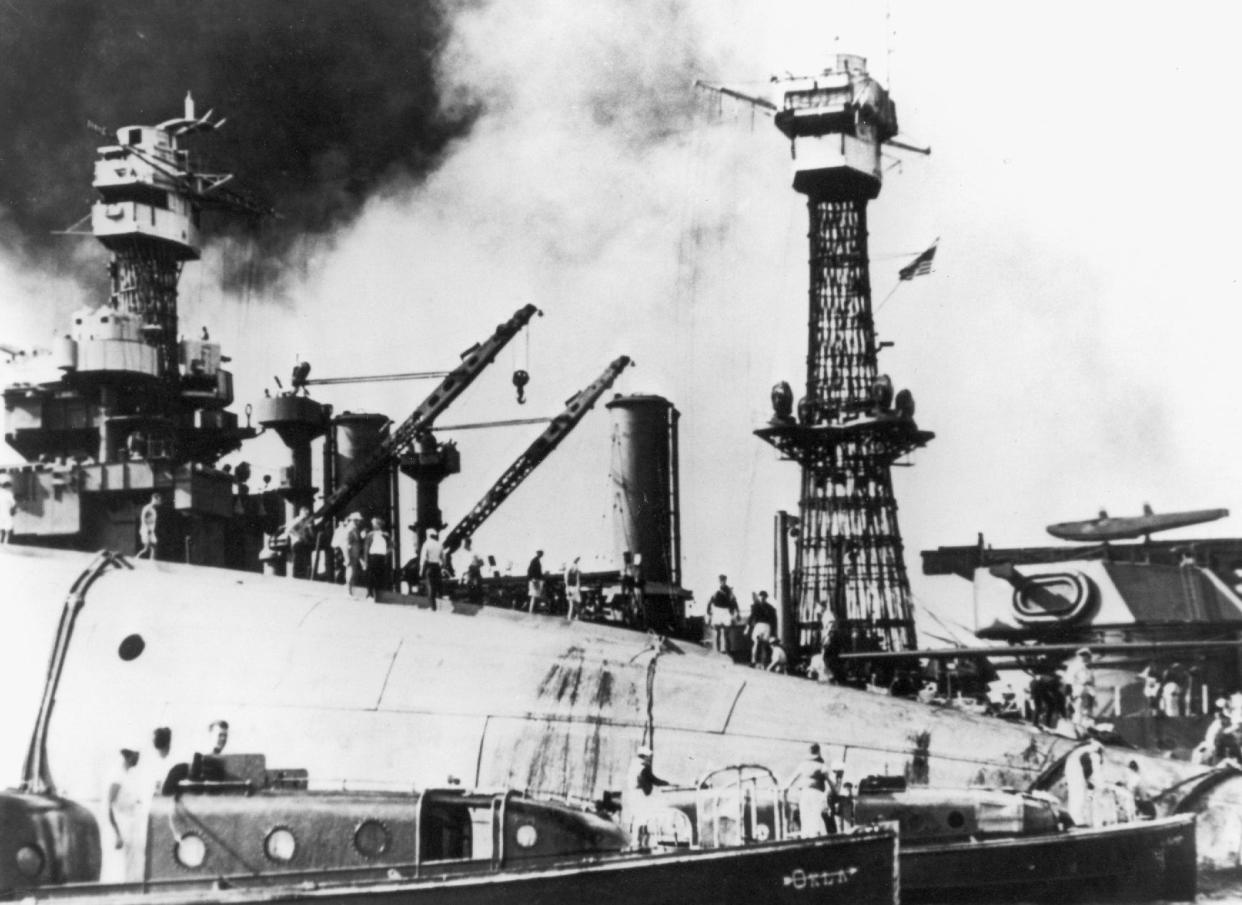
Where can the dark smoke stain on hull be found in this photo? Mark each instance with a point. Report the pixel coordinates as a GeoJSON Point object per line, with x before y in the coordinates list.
{"type": "Point", "coordinates": [553, 756]}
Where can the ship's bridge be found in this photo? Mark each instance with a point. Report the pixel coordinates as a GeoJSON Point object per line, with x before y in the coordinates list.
{"type": "Point", "coordinates": [144, 158]}
{"type": "Point", "coordinates": [142, 182]}
{"type": "Point", "coordinates": [140, 200]}
{"type": "Point", "coordinates": [837, 122]}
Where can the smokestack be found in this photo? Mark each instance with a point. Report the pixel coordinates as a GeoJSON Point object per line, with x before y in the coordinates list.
{"type": "Point", "coordinates": [646, 505]}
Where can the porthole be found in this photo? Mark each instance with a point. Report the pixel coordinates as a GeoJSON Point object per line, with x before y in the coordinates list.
{"type": "Point", "coordinates": [191, 851]}
{"type": "Point", "coordinates": [371, 839]}
{"type": "Point", "coordinates": [526, 835]}
{"type": "Point", "coordinates": [131, 647]}
{"type": "Point", "coordinates": [30, 861]}
{"type": "Point", "coordinates": [956, 820]}
{"type": "Point", "coordinates": [280, 844]}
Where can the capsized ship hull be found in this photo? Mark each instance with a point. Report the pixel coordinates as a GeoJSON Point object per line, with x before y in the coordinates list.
{"type": "Point", "coordinates": [387, 696]}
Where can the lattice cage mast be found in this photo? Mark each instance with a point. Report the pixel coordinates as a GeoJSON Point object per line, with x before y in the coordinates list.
{"type": "Point", "coordinates": [850, 585]}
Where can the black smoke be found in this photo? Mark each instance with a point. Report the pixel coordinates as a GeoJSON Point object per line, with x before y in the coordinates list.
{"type": "Point", "coordinates": [328, 101]}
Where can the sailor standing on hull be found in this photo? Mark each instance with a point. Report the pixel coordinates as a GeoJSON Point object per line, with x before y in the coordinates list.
{"type": "Point", "coordinates": [1083, 767]}
{"type": "Point", "coordinates": [722, 613]}
{"type": "Point", "coordinates": [431, 565]}
{"type": "Point", "coordinates": [148, 527]}
{"type": "Point", "coordinates": [811, 780]}
{"type": "Point", "coordinates": [8, 508]}
{"type": "Point", "coordinates": [640, 782]}
{"type": "Point", "coordinates": [573, 588]}
{"type": "Point", "coordinates": [1080, 677]}
{"type": "Point", "coordinates": [534, 578]}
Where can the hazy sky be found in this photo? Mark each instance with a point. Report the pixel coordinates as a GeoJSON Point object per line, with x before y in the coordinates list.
{"type": "Point", "coordinates": [1073, 350]}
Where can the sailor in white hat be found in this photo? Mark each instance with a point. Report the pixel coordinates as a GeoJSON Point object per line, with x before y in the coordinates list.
{"type": "Point", "coordinates": [640, 782]}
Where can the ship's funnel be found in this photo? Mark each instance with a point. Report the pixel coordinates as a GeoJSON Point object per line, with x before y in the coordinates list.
{"type": "Point", "coordinates": [358, 435]}
{"type": "Point", "coordinates": [646, 507]}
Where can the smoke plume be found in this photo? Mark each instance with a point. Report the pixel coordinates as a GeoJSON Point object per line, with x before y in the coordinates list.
{"type": "Point", "coordinates": [327, 102]}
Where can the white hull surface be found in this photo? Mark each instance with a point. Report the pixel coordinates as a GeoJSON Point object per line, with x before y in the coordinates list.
{"type": "Point", "coordinates": [387, 696]}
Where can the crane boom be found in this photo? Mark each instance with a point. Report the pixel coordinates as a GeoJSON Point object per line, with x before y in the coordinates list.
{"type": "Point", "coordinates": [473, 361]}
{"type": "Point", "coordinates": [575, 410]}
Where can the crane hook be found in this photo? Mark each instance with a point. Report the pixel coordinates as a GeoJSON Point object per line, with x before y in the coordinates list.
{"type": "Point", "coordinates": [520, 379]}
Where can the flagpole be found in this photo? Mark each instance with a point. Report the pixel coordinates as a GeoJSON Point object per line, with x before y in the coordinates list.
{"type": "Point", "coordinates": [891, 293]}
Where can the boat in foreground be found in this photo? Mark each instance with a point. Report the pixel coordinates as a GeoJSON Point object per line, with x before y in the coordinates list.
{"type": "Point", "coordinates": [1128, 862]}
{"type": "Point", "coordinates": [994, 845]}
{"type": "Point", "coordinates": [984, 845]}
{"type": "Point", "coordinates": [224, 841]}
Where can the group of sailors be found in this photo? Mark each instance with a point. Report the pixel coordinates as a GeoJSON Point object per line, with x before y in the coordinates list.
{"type": "Point", "coordinates": [1222, 742]}
{"type": "Point", "coordinates": [366, 556]}
{"type": "Point", "coordinates": [1093, 801]}
{"type": "Point", "coordinates": [822, 797]}
{"type": "Point", "coordinates": [724, 618]}
{"type": "Point", "coordinates": [137, 778]}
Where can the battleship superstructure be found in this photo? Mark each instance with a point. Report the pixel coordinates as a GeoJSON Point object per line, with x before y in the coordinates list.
{"type": "Point", "coordinates": [125, 408]}
{"type": "Point", "coordinates": [1162, 618]}
{"type": "Point", "coordinates": [849, 427]}
{"type": "Point", "coordinates": [124, 405]}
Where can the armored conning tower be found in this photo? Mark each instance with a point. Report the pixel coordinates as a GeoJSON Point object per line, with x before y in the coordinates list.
{"type": "Point", "coordinates": [849, 427]}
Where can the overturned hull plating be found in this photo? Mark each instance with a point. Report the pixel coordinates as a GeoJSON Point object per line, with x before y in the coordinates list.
{"type": "Point", "coordinates": [385, 696]}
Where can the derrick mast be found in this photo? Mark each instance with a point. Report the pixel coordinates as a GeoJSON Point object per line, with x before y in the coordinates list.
{"type": "Point", "coordinates": [848, 428]}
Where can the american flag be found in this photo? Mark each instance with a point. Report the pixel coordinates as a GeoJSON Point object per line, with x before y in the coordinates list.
{"type": "Point", "coordinates": [920, 266]}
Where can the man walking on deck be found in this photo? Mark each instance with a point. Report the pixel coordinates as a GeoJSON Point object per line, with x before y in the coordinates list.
{"type": "Point", "coordinates": [431, 565]}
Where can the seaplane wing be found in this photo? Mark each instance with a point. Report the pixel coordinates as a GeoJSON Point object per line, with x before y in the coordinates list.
{"type": "Point", "coordinates": [1107, 528]}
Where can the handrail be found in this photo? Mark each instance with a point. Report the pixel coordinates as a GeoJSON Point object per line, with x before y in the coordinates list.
{"type": "Point", "coordinates": [418, 834]}
{"type": "Point", "coordinates": [735, 768]}
{"type": "Point", "coordinates": [748, 791]}
{"type": "Point", "coordinates": [500, 808]}
{"type": "Point", "coordinates": [36, 774]}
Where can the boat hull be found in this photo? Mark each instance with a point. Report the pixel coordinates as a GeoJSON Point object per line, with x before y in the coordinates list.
{"type": "Point", "coordinates": [859, 870]}
{"type": "Point", "coordinates": [1131, 862]}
